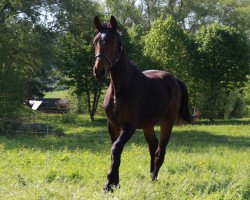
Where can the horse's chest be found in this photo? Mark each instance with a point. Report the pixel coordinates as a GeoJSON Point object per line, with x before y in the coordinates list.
{"type": "Point", "coordinates": [118, 111]}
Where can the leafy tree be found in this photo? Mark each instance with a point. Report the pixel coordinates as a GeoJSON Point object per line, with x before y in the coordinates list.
{"type": "Point", "coordinates": [26, 54]}
{"type": "Point", "coordinates": [192, 14]}
{"type": "Point", "coordinates": [75, 52]}
{"type": "Point", "coordinates": [223, 60]}
{"type": "Point", "coordinates": [136, 48]}
{"type": "Point", "coordinates": [26, 44]}
{"type": "Point", "coordinates": [126, 11]}
{"type": "Point", "coordinates": [167, 43]}
{"type": "Point", "coordinates": [152, 10]}
{"type": "Point", "coordinates": [75, 64]}
{"type": "Point", "coordinates": [11, 95]}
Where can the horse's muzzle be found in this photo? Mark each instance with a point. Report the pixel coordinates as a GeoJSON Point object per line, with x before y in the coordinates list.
{"type": "Point", "coordinates": [99, 73]}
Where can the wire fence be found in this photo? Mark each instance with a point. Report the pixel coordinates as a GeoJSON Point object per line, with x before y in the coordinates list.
{"type": "Point", "coordinates": [28, 123]}
{"type": "Point", "coordinates": [36, 120]}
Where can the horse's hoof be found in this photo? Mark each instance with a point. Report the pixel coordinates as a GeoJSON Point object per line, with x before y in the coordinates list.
{"type": "Point", "coordinates": [110, 188]}
{"type": "Point", "coordinates": [107, 189]}
{"type": "Point", "coordinates": [153, 177]}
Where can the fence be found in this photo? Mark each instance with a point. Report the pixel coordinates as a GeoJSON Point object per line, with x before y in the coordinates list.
{"type": "Point", "coordinates": [36, 122]}
{"type": "Point", "coordinates": [28, 123]}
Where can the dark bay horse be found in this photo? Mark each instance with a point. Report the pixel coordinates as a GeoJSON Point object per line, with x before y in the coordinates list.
{"type": "Point", "coordinates": [136, 100]}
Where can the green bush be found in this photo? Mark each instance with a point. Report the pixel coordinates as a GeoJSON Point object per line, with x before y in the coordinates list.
{"type": "Point", "coordinates": [223, 65]}
{"type": "Point", "coordinates": [12, 94]}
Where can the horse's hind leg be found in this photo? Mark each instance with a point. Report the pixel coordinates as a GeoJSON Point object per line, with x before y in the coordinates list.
{"type": "Point", "coordinates": [152, 140]}
{"type": "Point", "coordinates": [166, 128]}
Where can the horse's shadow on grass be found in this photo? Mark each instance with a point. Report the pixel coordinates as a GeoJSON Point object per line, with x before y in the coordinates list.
{"type": "Point", "coordinates": [202, 140]}
{"type": "Point", "coordinates": [199, 141]}
{"type": "Point", "coordinates": [98, 142]}
{"type": "Point", "coordinates": [225, 122]}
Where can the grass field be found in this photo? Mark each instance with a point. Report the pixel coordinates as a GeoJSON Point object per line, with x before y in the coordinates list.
{"type": "Point", "coordinates": [202, 162]}
{"type": "Point", "coordinates": [57, 94]}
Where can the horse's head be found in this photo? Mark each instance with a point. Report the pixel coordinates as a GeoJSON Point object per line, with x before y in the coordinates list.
{"type": "Point", "coordinates": [107, 47]}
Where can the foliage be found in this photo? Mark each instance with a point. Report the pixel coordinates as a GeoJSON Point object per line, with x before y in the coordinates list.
{"type": "Point", "coordinates": [26, 44]}
{"type": "Point", "coordinates": [126, 11]}
{"type": "Point", "coordinates": [247, 94]}
{"type": "Point", "coordinates": [11, 96]}
{"type": "Point", "coordinates": [26, 47]}
{"type": "Point", "coordinates": [75, 61]}
{"type": "Point", "coordinates": [224, 54]}
{"type": "Point", "coordinates": [134, 46]}
{"type": "Point", "coordinates": [192, 14]}
{"type": "Point", "coordinates": [167, 43]}
{"type": "Point", "coordinates": [202, 162]}
{"type": "Point", "coordinates": [234, 105]}
{"type": "Point", "coordinates": [223, 60]}
{"type": "Point", "coordinates": [75, 52]}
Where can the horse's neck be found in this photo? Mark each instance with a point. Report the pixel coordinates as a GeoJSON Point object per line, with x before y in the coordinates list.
{"type": "Point", "coordinates": [120, 75]}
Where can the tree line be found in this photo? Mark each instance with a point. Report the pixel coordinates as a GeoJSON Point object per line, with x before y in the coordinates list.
{"type": "Point", "coordinates": [206, 44]}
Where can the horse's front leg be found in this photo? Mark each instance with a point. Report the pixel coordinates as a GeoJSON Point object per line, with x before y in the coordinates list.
{"type": "Point", "coordinates": [116, 151]}
{"type": "Point", "coordinates": [113, 132]}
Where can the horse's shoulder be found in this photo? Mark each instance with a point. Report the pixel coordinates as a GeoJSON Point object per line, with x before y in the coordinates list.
{"type": "Point", "coordinates": [108, 98]}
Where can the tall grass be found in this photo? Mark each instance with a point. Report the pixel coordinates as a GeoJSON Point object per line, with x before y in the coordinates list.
{"type": "Point", "coordinates": [202, 162]}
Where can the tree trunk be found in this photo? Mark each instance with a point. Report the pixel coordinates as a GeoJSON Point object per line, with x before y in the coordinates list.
{"type": "Point", "coordinates": [92, 116]}
{"type": "Point", "coordinates": [96, 98]}
{"type": "Point", "coordinates": [79, 105]}
{"type": "Point", "coordinates": [93, 104]}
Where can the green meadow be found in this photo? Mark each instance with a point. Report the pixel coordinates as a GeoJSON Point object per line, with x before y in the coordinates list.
{"type": "Point", "coordinates": [203, 161]}
{"type": "Point", "coordinates": [57, 94]}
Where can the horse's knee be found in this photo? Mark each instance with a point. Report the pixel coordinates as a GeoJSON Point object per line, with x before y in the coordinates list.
{"type": "Point", "coordinates": [159, 156]}
{"type": "Point", "coordinates": [117, 148]}
{"type": "Point", "coordinates": [161, 150]}
{"type": "Point", "coordinates": [113, 132]}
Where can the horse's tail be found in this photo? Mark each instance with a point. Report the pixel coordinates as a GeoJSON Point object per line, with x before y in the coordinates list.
{"type": "Point", "coordinates": [184, 112]}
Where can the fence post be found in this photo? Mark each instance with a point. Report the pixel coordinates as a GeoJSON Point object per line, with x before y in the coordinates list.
{"type": "Point", "coordinates": [47, 125]}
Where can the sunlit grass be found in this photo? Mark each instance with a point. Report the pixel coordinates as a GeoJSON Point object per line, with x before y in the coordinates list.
{"type": "Point", "coordinates": [57, 94]}
{"type": "Point", "coordinates": [202, 162]}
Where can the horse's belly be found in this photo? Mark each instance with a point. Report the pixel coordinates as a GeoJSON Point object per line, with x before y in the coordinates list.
{"type": "Point", "coordinates": [148, 123]}
{"type": "Point", "coordinates": [154, 107]}
{"type": "Point", "coordinates": [150, 117]}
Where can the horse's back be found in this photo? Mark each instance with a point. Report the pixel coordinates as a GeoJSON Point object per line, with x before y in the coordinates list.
{"type": "Point", "coordinates": [156, 74]}
{"type": "Point", "coordinates": [167, 80]}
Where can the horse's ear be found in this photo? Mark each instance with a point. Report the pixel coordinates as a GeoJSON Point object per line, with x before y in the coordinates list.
{"type": "Point", "coordinates": [97, 23]}
{"type": "Point", "coordinates": [113, 22]}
